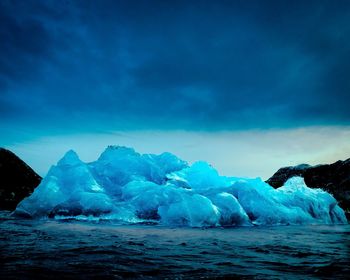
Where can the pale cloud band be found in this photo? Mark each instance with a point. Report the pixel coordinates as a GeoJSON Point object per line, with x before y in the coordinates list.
{"type": "Point", "coordinates": [252, 153]}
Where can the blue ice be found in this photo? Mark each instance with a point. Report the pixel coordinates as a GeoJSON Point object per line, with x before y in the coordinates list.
{"type": "Point", "coordinates": [130, 187]}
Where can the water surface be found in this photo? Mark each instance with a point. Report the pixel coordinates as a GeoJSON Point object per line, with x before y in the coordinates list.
{"type": "Point", "coordinates": [32, 249]}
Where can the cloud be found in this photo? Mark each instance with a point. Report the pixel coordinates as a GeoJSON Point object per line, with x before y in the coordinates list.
{"type": "Point", "coordinates": [201, 65]}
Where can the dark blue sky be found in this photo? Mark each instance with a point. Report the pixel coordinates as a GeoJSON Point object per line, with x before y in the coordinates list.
{"type": "Point", "coordinates": [194, 65]}
{"type": "Point", "coordinates": [249, 86]}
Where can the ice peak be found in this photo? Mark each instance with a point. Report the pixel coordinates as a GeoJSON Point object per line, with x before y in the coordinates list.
{"type": "Point", "coordinates": [118, 147]}
{"type": "Point", "coordinates": [70, 158]}
{"type": "Point", "coordinates": [117, 151]}
{"type": "Point", "coordinates": [295, 181]}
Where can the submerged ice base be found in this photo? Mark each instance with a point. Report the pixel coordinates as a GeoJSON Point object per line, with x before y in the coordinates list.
{"type": "Point", "coordinates": [130, 187]}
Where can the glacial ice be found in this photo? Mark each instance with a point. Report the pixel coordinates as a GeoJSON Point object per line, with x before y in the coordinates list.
{"type": "Point", "coordinates": [129, 187]}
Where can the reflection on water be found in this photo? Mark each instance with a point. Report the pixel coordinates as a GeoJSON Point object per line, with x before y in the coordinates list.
{"type": "Point", "coordinates": [54, 249]}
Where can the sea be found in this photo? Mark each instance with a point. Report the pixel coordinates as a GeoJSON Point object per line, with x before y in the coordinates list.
{"type": "Point", "coordinates": [70, 249]}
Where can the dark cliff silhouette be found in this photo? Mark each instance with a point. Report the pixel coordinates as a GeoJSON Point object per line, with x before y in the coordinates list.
{"type": "Point", "coordinates": [334, 178]}
{"type": "Point", "coordinates": [17, 180]}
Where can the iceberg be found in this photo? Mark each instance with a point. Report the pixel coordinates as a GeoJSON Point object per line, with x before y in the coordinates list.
{"type": "Point", "coordinates": [126, 186]}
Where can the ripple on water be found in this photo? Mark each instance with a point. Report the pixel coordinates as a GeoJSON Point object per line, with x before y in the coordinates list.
{"type": "Point", "coordinates": [80, 249]}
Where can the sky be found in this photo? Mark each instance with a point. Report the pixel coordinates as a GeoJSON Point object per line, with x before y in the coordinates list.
{"type": "Point", "coordinates": [249, 86]}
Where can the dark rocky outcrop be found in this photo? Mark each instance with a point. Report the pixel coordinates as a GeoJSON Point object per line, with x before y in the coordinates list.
{"type": "Point", "coordinates": [334, 178]}
{"type": "Point", "coordinates": [17, 180]}
{"type": "Point", "coordinates": [284, 173]}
